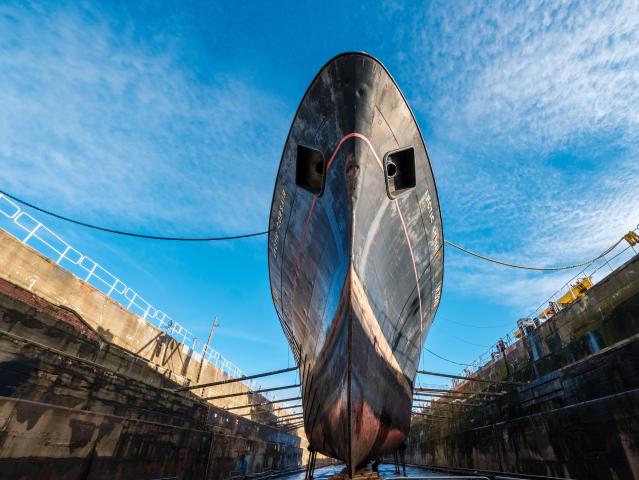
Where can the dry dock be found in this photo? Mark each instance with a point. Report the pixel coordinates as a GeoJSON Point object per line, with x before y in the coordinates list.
{"type": "Point", "coordinates": [87, 391]}
{"type": "Point", "coordinates": [576, 414]}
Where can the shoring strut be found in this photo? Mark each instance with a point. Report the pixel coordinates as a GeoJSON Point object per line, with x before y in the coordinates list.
{"type": "Point", "coordinates": [439, 402]}
{"type": "Point", "coordinates": [286, 408]}
{"type": "Point", "coordinates": [470, 379]}
{"type": "Point", "coordinates": [452, 397]}
{"type": "Point", "coordinates": [229, 395]}
{"type": "Point", "coordinates": [287, 420]}
{"type": "Point", "coordinates": [430, 415]}
{"type": "Point", "coordinates": [293, 427]}
{"type": "Point", "coordinates": [298, 414]}
{"type": "Point", "coordinates": [265, 403]}
{"type": "Point", "coordinates": [234, 380]}
{"type": "Point", "coordinates": [269, 411]}
{"type": "Point", "coordinates": [453, 392]}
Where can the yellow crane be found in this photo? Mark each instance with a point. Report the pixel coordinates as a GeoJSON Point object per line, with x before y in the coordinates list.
{"type": "Point", "coordinates": [575, 292]}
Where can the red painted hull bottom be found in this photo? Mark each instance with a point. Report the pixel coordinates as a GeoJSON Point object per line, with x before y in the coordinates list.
{"type": "Point", "coordinates": [356, 406]}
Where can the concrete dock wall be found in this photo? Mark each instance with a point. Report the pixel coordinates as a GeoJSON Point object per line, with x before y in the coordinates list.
{"type": "Point", "coordinates": [606, 315]}
{"type": "Point", "coordinates": [585, 427]}
{"type": "Point", "coordinates": [25, 267]}
{"type": "Point", "coordinates": [77, 402]}
{"type": "Point", "coordinates": [577, 416]}
{"type": "Point", "coordinates": [49, 441]}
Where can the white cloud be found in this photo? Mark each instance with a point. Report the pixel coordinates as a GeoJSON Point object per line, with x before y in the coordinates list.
{"type": "Point", "coordinates": [248, 337]}
{"type": "Point", "coordinates": [566, 220]}
{"type": "Point", "coordinates": [539, 74]}
{"type": "Point", "coordinates": [532, 118]}
{"type": "Point", "coordinates": [96, 123]}
{"type": "Point", "coordinates": [100, 126]}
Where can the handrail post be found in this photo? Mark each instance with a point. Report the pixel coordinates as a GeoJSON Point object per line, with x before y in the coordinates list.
{"type": "Point", "coordinates": [62, 255]}
{"type": "Point", "coordinates": [31, 233]}
{"type": "Point", "coordinates": [91, 271]}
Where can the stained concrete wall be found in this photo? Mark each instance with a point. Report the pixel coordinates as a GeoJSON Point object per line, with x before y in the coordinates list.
{"type": "Point", "coordinates": [49, 441]}
{"type": "Point", "coordinates": [577, 416]}
{"type": "Point", "coordinates": [605, 316]}
{"type": "Point", "coordinates": [73, 406]}
{"type": "Point", "coordinates": [25, 267]}
{"type": "Point", "coordinates": [85, 389]}
{"type": "Point", "coordinates": [583, 427]}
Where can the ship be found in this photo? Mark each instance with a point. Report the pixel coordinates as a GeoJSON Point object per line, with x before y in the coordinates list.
{"type": "Point", "coordinates": [355, 255]}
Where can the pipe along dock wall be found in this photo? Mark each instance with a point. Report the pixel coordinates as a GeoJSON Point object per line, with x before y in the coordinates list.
{"type": "Point", "coordinates": [76, 401]}
{"type": "Point", "coordinates": [578, 414]}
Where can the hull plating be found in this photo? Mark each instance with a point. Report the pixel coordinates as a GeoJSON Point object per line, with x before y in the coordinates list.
{"type": "Point", "coordinates": [355, 274]}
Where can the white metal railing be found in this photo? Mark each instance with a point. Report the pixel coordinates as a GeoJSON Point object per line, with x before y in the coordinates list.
{"type": "Point", "coordinates": [31, 231]}
{"type": "Point", "coordinates": [596, 271]}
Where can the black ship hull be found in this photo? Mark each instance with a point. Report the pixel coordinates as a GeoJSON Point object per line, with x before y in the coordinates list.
{"type": "Point", "coordinates": [355, 257]}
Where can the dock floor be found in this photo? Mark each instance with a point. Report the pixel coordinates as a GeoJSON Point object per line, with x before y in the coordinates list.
{"type": "Point", "coordinates": [386, 471]}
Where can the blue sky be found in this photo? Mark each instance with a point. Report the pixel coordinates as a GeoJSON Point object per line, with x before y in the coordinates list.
{"type": "Point", "coordinates": [170, 117]}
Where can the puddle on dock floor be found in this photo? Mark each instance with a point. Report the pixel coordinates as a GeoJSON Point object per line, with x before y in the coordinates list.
{"type": "Point", "coordinates": [385, 471]}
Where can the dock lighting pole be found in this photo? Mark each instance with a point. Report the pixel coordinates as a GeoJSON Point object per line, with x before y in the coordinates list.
{"type": "Point", "coordinates": [208, 344]}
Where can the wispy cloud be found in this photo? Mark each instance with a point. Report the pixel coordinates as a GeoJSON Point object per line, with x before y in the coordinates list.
{"type": "Point", "coordinates": [530, 111]}
{"type": "Point", "coordinates": [535, 74]}
{"type": "Point", "coordinates": [532, 118]}
{"type": "Point", "coordinates": [96, 123]}
{"type": "Point", "coordinates": [240, 334]}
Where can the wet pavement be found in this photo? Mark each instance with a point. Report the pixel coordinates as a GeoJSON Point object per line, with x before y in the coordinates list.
{"type": "Point", "coordinates": [385, 471]}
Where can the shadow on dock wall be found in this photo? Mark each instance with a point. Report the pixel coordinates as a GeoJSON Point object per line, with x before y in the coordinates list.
{"type": "Point", "coordinates": [75, 406]}
{"type": "Point", "coordinates": [578, 414]}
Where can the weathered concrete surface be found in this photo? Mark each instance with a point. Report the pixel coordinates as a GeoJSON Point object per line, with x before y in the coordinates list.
{"type": "Point", "coordinates": [24, 267]}
{"type": "Point", "coordinates": [579, 415]}
{"type": "Point", "coordinates": [46, 441]}
{"type": "Point", "coordinates": [41, 440]}
{"type": "Point", "coordinates": [605, 316]}
{"type": "Point", "coordinates": [75, 405]}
